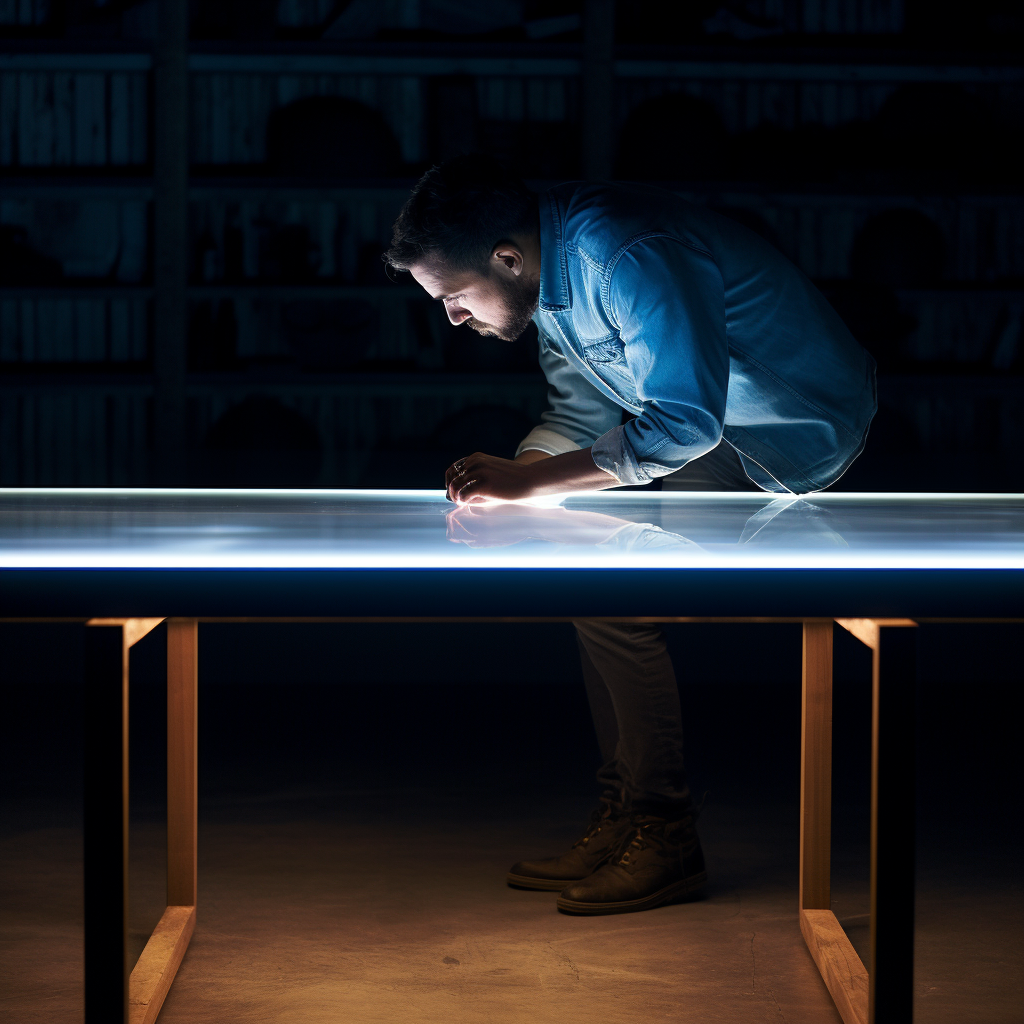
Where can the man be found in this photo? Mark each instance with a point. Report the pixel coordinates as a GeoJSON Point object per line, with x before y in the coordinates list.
{"type": "Point", "coordinates": [734, 373]}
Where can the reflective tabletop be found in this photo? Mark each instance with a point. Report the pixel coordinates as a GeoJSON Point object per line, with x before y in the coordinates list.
{"type": "Point", "coordinates": [365, 530]}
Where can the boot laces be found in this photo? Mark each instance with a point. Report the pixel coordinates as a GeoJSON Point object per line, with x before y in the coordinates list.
{"type": "Point", "coordinates": [637, 844]}
{"type": "Point", "coordinates": [597, 822]}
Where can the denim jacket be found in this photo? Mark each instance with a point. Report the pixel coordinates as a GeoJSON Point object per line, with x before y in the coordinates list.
{"type": "Point", "coordinates": [702, 330]}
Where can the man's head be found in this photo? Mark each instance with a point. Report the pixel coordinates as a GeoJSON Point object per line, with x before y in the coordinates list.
{"type": "Point", "coordinates": [469, 236]}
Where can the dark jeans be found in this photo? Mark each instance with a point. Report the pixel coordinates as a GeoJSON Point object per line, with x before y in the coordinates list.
{"type": "Point", "coordinates": [631, 683]}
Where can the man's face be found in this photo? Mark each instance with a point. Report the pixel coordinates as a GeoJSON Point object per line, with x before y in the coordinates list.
{"type": "Point", "coordinates": [498, 304]}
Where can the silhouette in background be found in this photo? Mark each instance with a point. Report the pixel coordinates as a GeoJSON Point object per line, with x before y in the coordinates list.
{"type": "Point", "coordinates": [674, 137]}
{"type": "Point", "coordinates": [471, 353]}
{"type": "Point", "coordinates": [941, 131]}
{"type": "Point", "coordinates": [20, 263]}
{"type": "Point", "coordinates": [315, 138]}
{"type": "Point", "coordinates": [213, 336]}
{"type": "Point", "coordinates": [261, 442]}
{"type": "Point", "coordinates": [481, 427]}
{"type": "Point", "coordinates": [899, 248]}
{"type": "Point", "coordinates": [453, 121]}
{"type": "Point", "coordinates": [642, 21]}
{"type": "Point", "coordinates": [233, 19]}
{"type": "Point", "coordinates": [536, 148]}
{"type": "Point", "coordinates": [895, 249]}
{"type": "Point", "coordinates": [285, 252]}
{"type": "Point", "coordinates": [750, 219]}
{"type": "Point", "coordinates": [331, 137]}
{"type": "Point", "coordinates": [330, 335]}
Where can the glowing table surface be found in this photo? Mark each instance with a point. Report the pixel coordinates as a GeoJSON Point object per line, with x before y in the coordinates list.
{"type": "Point", "coordinates": [280, 553]}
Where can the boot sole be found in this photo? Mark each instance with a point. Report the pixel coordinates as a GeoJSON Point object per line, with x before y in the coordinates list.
{"type": "Point", "coordinates": [669, 894]}
{"type": "Point", "coordinates": [539, 884]}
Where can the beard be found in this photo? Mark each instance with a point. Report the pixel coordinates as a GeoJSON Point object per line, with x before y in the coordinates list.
{"type": "Point", "coordinates": [520, 304]}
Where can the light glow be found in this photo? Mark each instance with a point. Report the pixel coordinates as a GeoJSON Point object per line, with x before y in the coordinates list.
{"type": "Point", "coordinates": [149, 528]}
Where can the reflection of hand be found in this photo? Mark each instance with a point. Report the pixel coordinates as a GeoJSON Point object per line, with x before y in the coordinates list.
{"type": "Point", "coordinates": [478, 528]}
{"type": "Point", "coordinates": [485, 526]}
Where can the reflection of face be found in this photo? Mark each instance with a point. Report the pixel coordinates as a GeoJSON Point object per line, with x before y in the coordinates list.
{"type": "Point", "coordinates": [497, 304]}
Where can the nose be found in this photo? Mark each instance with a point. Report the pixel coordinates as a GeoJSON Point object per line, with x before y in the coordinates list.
{"type": "Point", "coordinates": [456, 313]}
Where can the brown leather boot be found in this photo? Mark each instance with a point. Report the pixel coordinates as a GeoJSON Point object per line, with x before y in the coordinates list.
{"type": "Point", "coordinates": [608, 829]}
{"type": "Point", "coordinates": [662, 863]}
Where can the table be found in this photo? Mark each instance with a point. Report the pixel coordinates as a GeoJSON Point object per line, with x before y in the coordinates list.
{"type": "Point", "coordinates": [123, 561]}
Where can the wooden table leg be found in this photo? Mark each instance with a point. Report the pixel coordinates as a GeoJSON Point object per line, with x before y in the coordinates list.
{"type": "Point", "coordinates": [105, 853]}
{"type": "Point", "coordinates": [816, 767]}
{"type": "Point", "coordinates": [151, 979]}
{"type": "Point", "coordinates": [182, 750]}
{"type": "Point", "coordinates": [840, 967]}
{"type": "Point", "coordinates": [893, 644]}
{"type": "Point", "coordinates": [892, 826]}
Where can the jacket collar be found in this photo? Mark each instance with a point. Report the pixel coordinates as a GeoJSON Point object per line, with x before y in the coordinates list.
{"type": "Point", "coordinates": [555, 295]}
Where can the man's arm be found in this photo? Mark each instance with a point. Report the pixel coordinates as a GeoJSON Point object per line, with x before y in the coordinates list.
{"type": "Point", "coordinates": [573, 471]}
{"type": "Point", "coordinates": [577, 413]}
{"type": "Point", "coordinates": [667, 300]}
{"type": "Point", "coordinates": [529, 455]}
{"type": "Point", "coordinates": [479, 478]}
{"type": "Point", "coordinates": [576, 409]}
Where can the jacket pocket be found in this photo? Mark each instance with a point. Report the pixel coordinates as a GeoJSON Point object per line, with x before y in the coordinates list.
{"type": "Point", "coordinates": [609, 351]}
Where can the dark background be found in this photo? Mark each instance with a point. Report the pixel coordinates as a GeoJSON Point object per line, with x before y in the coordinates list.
{"type": "Point", "coordinates": [193, 211]}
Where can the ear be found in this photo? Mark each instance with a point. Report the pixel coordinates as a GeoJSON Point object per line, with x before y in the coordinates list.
{"type": "Point", "coordinates": [509, 258]}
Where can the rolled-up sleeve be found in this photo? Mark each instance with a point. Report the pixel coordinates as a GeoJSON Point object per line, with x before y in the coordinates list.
{"type": "Point", "coordinates": [577, 414]}
{"type": "Point", "coordinates": [667, 300]}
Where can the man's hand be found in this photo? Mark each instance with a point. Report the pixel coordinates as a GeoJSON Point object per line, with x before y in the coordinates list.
{"type": "Point", "coordinates": [479, 478]}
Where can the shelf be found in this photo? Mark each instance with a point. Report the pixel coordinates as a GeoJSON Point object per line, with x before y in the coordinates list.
{"type": "Point", "coordinates": [85, 186]}
{"type": "Point", "coordinates": [76, 291]}
{"type": "Point", "coordinates": [254, 188]}
{"type": "Point", "coordinates": [894, 388]}
{"type": "Point", "coordinates": [257, 189]}
{"type": "Point", "coordinates": [811, 71]}
{"type": "Point", "coordinates": [300, 292]}
{"type": "Point", "coordinates": [13, 376]}
{"type": "Point", "coordinates": [332, 290]}
{"type": "Point", "coordinates": [90, 186]}
{"type": "Point", "coordinates": [282, 379]}
{"type": "Point", "coordinates": [422, 59]}
{"type": "Point", "coordinates": [253, 290]}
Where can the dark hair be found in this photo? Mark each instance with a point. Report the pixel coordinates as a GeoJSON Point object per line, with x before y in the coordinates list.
{"type": "Point", "coordinates": [458, 212]}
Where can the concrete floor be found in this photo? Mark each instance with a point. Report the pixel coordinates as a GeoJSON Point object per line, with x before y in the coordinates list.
{"type": "Point", "coordinates": [390, 908]}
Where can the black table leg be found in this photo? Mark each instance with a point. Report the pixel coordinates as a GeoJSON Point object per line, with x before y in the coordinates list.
{"type": "Point", "coordinates": [106, 825]}
{"type": "Point", "coordinates": [891, 967]}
